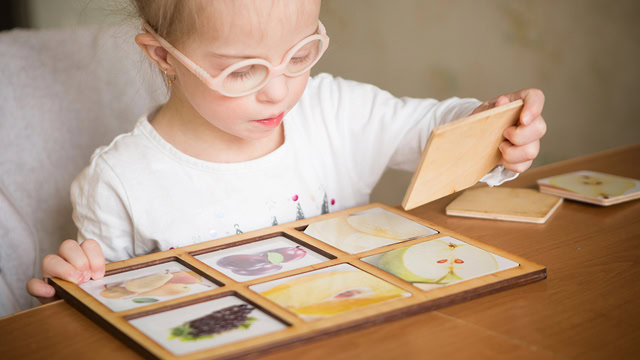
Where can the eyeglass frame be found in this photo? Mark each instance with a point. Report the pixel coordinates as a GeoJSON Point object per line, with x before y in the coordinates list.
{"type": "Point", "coordinates": [216, 83]}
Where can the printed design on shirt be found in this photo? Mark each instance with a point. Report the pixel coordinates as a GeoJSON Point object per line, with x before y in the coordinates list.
{"type": "Point", "coordinates": [299, 213]}
{"type": "Point", "coordinates": [318, 199]}
{"type": "Point", "coordinates": [325, 205]}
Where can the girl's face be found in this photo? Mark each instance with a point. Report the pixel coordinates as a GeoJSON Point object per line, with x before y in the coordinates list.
{"type": "Point", "coordinates": [239, 30]}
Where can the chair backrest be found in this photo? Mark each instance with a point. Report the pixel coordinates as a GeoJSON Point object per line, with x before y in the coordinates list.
{"type": "Point", "coordinates": [63, 93]}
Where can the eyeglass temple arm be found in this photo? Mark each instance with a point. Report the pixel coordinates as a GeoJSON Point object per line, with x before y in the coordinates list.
{"type": "Point", "coordinates": [197, 70]}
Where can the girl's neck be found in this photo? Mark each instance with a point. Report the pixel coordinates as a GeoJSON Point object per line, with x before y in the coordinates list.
{"type": "Point", "coordinates": [183, 127]}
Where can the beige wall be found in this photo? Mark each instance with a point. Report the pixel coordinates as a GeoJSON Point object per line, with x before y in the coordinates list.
{"type": "Point", "coordinates": [584, 54]}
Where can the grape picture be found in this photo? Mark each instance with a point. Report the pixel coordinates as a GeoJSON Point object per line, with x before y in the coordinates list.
{"type": "Point", "coordinates": [219, 321]}
{"type": "Point", "coordinates": [206, 324]}
{"type": "Point", "coordinates": [261, 258]}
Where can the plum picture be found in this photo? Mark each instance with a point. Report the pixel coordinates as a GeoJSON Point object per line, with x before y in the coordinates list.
{"type": "Point", "coordinates": [261, 258]}
{"type": "Point", "coordinates": [262, 263]}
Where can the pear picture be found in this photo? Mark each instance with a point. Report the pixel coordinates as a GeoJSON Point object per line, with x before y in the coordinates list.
{"type": "Point", "coordinates": [593, 184]}
{"type": "Point", "coordinates": [366, 230]}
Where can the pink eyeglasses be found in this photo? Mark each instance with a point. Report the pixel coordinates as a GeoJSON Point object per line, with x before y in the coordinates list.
{"type": "Point", "coordinates": [250, 75]}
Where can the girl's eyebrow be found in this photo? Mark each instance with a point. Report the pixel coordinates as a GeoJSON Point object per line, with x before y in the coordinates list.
{"type": "Point", "coordinates": [225, 56]}
{"type": "Point", "coordinates": [229, 56]}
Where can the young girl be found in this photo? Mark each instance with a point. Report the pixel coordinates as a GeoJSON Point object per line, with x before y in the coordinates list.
{"type": "Point", "coordinates": [247, 139]}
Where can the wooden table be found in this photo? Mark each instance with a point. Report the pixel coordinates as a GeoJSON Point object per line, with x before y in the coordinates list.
{"type": "Point", "coordinates": [588, 307]}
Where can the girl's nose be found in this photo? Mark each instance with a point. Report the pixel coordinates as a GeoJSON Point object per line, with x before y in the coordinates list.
{"type": "Point", "coordinates": [275, 91]}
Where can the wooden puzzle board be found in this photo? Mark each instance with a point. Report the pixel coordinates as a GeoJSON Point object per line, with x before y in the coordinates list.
{"type": "Point", "coordinates": [460, 153]}
{"type": "Point", "coordinates": [387, 293]}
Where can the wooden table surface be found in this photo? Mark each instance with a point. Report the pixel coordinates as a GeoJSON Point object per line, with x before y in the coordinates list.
{"type": "Point", "coordinates": [588, 307]}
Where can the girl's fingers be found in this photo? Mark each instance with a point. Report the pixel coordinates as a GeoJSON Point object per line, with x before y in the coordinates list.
{"type": "Point", "coordinates": [516, 154]}
{"type": "Point", "coordinates": [94, 254]}
{"type": "Point", "coordinates": [533, 103]}
{"type": "Point", "coordinates": [54, 265]}
{"type": "Point", "coordinates": [41, 290]}
{"type": "Point", "coordinates": [518, 167]}
{"type": "Point", "coordinates": [490, 104]}
{"type": "Point", "coordinates": [501, 100]}
{"type": "Point", "coordinates": [526, 134]}
{"type": "Point", "coordinates": [72, 253]}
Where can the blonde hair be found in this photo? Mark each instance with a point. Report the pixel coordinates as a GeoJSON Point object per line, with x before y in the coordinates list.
{"type": "Point", "coordinates": [174, 20]}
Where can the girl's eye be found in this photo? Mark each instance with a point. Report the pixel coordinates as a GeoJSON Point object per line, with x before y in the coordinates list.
{"type": "Point", "coordinates": [242, 73]}
{"type": "Point", "coordinates": [300, 59]}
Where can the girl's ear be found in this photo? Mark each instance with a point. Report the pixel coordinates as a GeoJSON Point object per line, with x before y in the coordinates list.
{"type": "Point", "coordinates": [155, 52]}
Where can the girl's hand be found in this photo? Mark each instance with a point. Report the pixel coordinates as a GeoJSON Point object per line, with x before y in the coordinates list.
{"type": "Point", "coordinates": [75, 262]}
{"type": "Point", "coordinates": [523, 140]}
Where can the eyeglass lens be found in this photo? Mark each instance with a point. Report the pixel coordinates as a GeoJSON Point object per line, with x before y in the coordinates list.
{"type": "Point", "coordinates": [252, 76]}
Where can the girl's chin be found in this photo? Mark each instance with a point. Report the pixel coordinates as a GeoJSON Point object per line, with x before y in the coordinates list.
{"type": "Point", "coordinates": [257, 132]}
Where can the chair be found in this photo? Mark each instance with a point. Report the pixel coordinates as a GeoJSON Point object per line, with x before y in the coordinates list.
{"type": "Point", "coordinates": [63, 93]}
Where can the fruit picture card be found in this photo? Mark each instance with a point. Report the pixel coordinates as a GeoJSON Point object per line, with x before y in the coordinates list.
{"type": "Point", "coordinates": [592, 187]}
{"type": "Point", "coordinates": [292, 283]}
{"type": "Point", "coordinates": [329, 291]}
{"type": "Point", "coordinates": [136, 288]}
{"type": "Point", "coordinates": [439, 262]}
{"type": "Point", "coordinates": [205, 325]}
{"type": "Point", "coordinates": [367, 230]}
{"type": "Point", "coordinates": [261, 258]}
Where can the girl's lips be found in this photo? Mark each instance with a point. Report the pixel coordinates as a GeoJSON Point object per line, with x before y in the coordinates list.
{"type": "Point", "coordinates": [271, 122]}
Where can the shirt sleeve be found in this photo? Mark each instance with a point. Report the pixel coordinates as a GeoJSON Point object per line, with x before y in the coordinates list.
{"type": "Point", "coordinates": [378, 130]}
{"type": "Point", "coordinates": [101, 210]}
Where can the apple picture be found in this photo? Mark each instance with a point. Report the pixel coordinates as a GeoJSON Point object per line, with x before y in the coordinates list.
{"type": "Point", "coordinates": [439, 262]}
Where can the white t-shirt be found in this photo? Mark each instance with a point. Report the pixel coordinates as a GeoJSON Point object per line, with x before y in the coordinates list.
{"type": "Point", "coordinates": [140, 194]}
